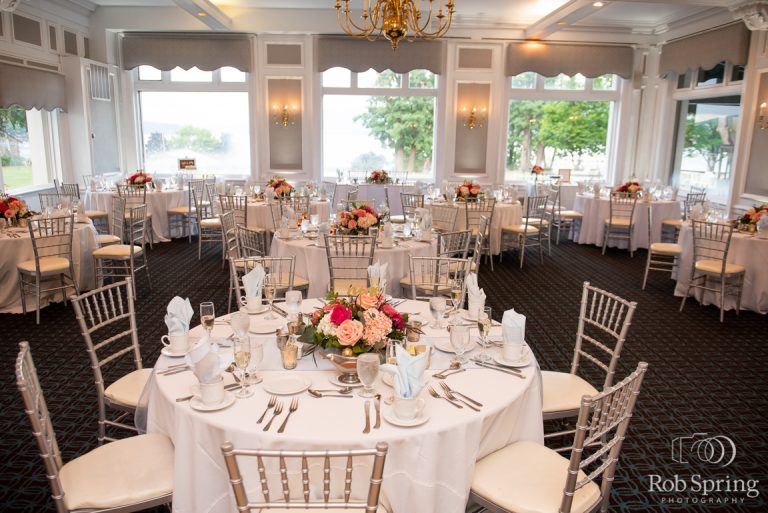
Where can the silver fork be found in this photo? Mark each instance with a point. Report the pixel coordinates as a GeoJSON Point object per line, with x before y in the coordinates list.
{"type": "Point", "coordinates": [456, 392]}
{"type": "Point", "coordinates": [278, 411]}
{"type": "Point", "coordinates": [447, 372]}
{"type": "Point", "coordinates": [452, 397]}
{"type": "Point", "coordinates": [294, 406]}
{"type": "Point", "coordinates": [270, 405]}
{"type": "Point", "coordinates": [434, 394]}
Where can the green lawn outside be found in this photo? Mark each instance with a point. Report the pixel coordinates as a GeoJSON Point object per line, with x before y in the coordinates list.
{"type": "Point", "coordinates": [17, 176]}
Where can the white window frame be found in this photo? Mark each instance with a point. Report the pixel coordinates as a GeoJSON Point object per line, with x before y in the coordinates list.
{"type": "Point", "coordinates": [51, 144]}
{"type": "Point", "coordinates": [693, 86]}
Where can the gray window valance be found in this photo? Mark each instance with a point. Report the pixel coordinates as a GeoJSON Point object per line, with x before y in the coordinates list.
{"type": "Point", "coordinates": [31, 88]}
{"type": "Point", "coordinates": [551, 59]}
{"type": "Point", "coordinates": [361, 55]}
{"type": "Point", "coordinates": [205, 50]}
{"type": "Point", "coordinates": [705, 50]}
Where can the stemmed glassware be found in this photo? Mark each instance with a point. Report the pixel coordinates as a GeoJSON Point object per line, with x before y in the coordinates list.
{"type": "Point", "coordinates": [257, 355]}
{"type": "Point", "coordinates": [437, 308]}
{"type": "Point", "coordinates": [367, 370]}
{"type": "Point", "coordinates": [456, 294]}
{"type": "Point", "coordinates": [269, 289]}
{"type": "Point", "coordinates": [207, 316]}
{"type": "Point", "coordinates": [240, 322]}
{"type": "Point", "coordinates": [459, 342]}
{"type": "Point", "coordinates": [242, 359]}
{"type": "Point", "coordinates": [484, 326]}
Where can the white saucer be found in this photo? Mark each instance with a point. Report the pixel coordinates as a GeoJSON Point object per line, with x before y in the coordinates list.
{"type": "Point", "coordinates": [444, 345]}
{"type": "Point", "coordinates": [499, 358]}
{"type": "Point", "coordinates": [267, 327]}
{"type": "Point", "coordinates": [197, 404]}
{"type": "Point", "coordinates": [469, 316]}
{"type": "Point", "coordinates": [286, 385]}
{"type": "Point", "coordinates": [166, 351]}
{"type": "Point", "coordinates": [259, 310]}
{"type": "Point", "coordinates": [389, 416]}
{"type": "Point", "coordinates": [335, 381]}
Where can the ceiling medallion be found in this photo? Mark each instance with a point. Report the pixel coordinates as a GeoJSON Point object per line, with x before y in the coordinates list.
{"type": "Point", "coordinates": [753, 13]}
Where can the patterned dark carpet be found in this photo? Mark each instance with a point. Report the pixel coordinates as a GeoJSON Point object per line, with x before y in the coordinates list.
{"type": "Point", "coordinates": [704, 377]}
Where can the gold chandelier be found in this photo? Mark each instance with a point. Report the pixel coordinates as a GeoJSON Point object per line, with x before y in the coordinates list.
{"type": "Point", "coordinates": [395, 20]}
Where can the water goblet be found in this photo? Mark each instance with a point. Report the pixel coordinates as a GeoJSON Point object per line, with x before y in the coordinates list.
{"type": "Point", "coordinates": [437, 308]}
{"type": "Point", "coordinates": [314, 219]}
{"type": "Point", "coordinates": [207, 316]}
{"type": "Point", "coordinates": [293, 301]}
{"type": "Point", "coordinates": [240, 322]}
{"type": "Point", "coordinates": [269, 290]}
{"type": "Point", "coordinates": [484, 326]}
{"type": "Point", "coordinates": [407, 229]}
{"type": "Point", "coordinates": [459, 342]}
{"type": "Point", "coordinates": [242, 350]}
{"type": "Point", "coordinates": [367, 370]}
{"type": "Point", "coordinates": [257, 356]}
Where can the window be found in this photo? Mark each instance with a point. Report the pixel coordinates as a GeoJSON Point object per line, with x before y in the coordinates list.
{"type": "Point", "coordinates": [378, 120]}
{"type": "Point", "coordinates": [560, 122]}
{"type": "Point", "coordinates": [706, 136]}
{"type": "Point", "coordinates": [191, 75]}
{"type": "Point", "coordinates": [723, 73]}
{"type": "Point", "coordinates": [26, 141]}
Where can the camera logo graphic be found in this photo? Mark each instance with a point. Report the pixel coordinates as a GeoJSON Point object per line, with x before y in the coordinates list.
{"type": "Point", "coordinates": [717, 450]}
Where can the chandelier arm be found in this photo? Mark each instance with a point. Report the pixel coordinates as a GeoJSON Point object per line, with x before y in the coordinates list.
{"type": "Point", "coordinates": [349, 26]}
{"type": "Point", "coordinates": [443, 24]}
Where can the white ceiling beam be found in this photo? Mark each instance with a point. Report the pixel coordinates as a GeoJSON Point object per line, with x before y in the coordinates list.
{"type": "Point", "coordinates": [207, 13]}
{"type": "Point", "coordinates": [561, 18]}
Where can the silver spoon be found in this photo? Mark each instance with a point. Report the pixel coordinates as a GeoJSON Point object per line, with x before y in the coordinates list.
{"type": "Point", "coordinates": [315, 393]}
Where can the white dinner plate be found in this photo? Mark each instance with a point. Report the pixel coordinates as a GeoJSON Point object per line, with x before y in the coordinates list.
{"type": "Point", "coordinates": [266, 327]}
{"type": "Point", "coordinates": [444, 345]}
{"type": "Point", "coordinates": [166, 351]}
{"type": "Point", "coordinates": [389, 416]}
{"type": "Point", "coordinates": [335, 381]}
{"type": "Point", "coordinates": [197, 404]}
{"type": "Point", "coordinates": [286, 385]}
{"type": "Point", "coordinates": [468, 315]}
{"type": "Point", "coordinates": [499, 358]}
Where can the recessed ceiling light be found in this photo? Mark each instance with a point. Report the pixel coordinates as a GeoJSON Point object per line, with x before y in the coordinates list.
{"type": "Point", "coordinates": [202, 14]}
{"type": "Point", "coordinates": [562, 23]}
{"type": "Point", "coordinates": [598, 4]}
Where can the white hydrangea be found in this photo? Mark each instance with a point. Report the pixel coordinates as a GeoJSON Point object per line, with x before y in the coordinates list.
{"type": "Point", "coordinates": [326, 327]}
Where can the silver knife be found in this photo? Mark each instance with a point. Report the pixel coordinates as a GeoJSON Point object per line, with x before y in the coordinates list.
{"type": "Point", "coordinates": [497, 366]}
{"type": "Point", "coordinates": [377, 425]}
{"type": "Point", "coordinates": [367, 428]}
{"type": "Point", "coordinates": [231, 386]}
{"type": "Point", "coordinates": [279, 310]}
{"type": "Point", "coordinates": [505, 371]}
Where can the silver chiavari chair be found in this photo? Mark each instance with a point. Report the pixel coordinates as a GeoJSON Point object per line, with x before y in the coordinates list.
{"type": "Point", "coordinates": [282, 271]}
{"type": "Point", "coordinates": [349, 257]}
{"type": "Point", "coordinates": [229, 235]}
{"type": "Point", "coordinates": [711, 243]}
{"type": "Point", "coordinates": [236, 204]}
{"type": "Point", "coordinates": [208, 224]}
{"type": "Point", "coordinates": [662, 256]}
{"type": "Point", "coordinates": [115, 234]}
{"type": "Point", "coordinates": [52, 248]}
{"type": "Point", "coordinates": [51, 201]}
{"type": "Point", "coordinates": [299, 205]}
{"type": "Point", "coordinates": [122, 487]}
{"type": "Point", "coordinates": [604, 321]}
{"type": "Point", "coordinates": [620, 224]}
{"type": "Point", "coordinates": [532, 232]}
{"type": "Point", "coordinates": [295, 483]}
{"type": "Point", "coordinates": [125, 260]}
{"type": "Point", "coordinates": [410, 202]}
{"type": "Point", "coordinates": [251, 241]}
{"type": "Point", "coordinates": [350, 204]}
{"type": "Point", "coordinates": [473, 211]}
{"type": "Point", "coordinates": [480, 242]}
{"type": "Point", "coordinates": [70, 189]}
{"type": "Point", "coordinates": [87, 181]}
{"type": "Point", "coordinates": [691, 199]}
{"type": "Point", "coordinates": [436, 276]}
{"type": "Point", "coordinates": [504, 482]}
{"type": "Point", "coordinates": [562, 219]}
{"type": "Point", "coordinates": [449, 245]}
{"type": "Point", "coordinates": [183, 216]}
{"type": "Point", "coordinates": [135, 196]}
{"type": "Point", "coordinates": [330, 189]}
{"type": "Point", "coordinates": [352, 193]}
{"type": "Point", "coordinates": [444, 217]}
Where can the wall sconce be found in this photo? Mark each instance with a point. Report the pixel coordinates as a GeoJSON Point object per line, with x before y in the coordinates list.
{"type": "Point", "coordinates": [762, 119]}
{"type": "Point", "coordinates": [473, 119]}
{"type": "Point", "coordinates": [281, 116]}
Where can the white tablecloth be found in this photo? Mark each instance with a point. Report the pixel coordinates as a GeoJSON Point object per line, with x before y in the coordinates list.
{"type": "Point", "coordinates": [260, 215]}
{"type": "Point", "coordinates": [428, 468]}
{"type": "Point", "coordinates": [567, 194]}
{"type": "Point", "coordinates": [13, 251]}
{"type": "Point", "coordinates": [504, 214]}
{"type": "Point", "coordinates": [312, 261]}
{"type": "Point", "coordinates": [596, 211]}
{"type": "Point", "coordinates": [158, 203]}
{"type": "Point", "coordinates": [746, 250]}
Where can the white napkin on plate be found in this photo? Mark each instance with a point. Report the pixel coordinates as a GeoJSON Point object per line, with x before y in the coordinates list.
{"type": "Point", "coordinates": [408, 374]}
{"type": "Point", "coordinates": [380, 270]}
{"type": "Point", "coordinates": [253, 281]}
{"type": "Point", "coordinates": [204, 360]}
{"type": "Point", "coordinates": [179, 314]}
{"type": "Point", "coordinates": [426, 221]}
{"type": "Point", "coordinates": [513, 328]}
{"type": "Point", "coordinates": [475, 295]}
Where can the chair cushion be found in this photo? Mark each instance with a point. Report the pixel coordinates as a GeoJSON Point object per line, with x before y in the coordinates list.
{"type": "Point", "coordinates": [526, 477]}
{"type": "Point", "coordinates": [563, 391]}
{"type": "Point", "coordinates": [677, 223]}
{"type": "Point", "coordinates": [179, 210]}
{"type": "Point", "coordinates": [619, 221]}
{"type": "Point", "coordinates": [715, 266]}
{"type": "Point", "coordinates": [47, 265]}
{"type": "Point", "coordinates": [535, 221]}
{"type": "Point", "coordinates": [572, 214]}
{"type": "Point", "coordinates": [126, 471]}
{"type": "Point", "coordinates": [96, 213]}
{"type": "Point", "coordinates": [666, 248]}
{"type": "Point", "coordinates": [117, 251]}
{"type": "Point", "coordinates": [343, 284]}
{"type": "Point", "coordinates": [213, 222]}
{"type": "Point", "coordinates": [424, 281]}
{"type": "Point", "coordinates": [106, 239]}
{"type": "Point", "coordinates": [519, 228]}
{"type": "Point", "coordinates": [127, 390]}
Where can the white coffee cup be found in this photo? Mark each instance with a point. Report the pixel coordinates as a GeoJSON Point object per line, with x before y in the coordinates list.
{"type": "Point", "coordinates": [408, 408]}
{"type": "Point", "coordinates": [176, 343]}
{"type": "Point", "coordinates": [251, 303]}
{"type": "Point", "coordinates": [514, 352]}
{"type": "Point", "coordinates": [212, 393]}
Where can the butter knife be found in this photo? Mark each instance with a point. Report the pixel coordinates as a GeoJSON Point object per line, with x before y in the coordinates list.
{"type": "Point", "coordinates": [505, 371]}
{"type": "Point", "coordinates": [279, 310]}
{"type": "Point", "coordinates": [377, 425]}
{"type": "Point", "coordinates": [367, 428]}
{"type": "Point", "coordinates": [497, 366]}
{"type": "Point", "coordinates": [231, 386]}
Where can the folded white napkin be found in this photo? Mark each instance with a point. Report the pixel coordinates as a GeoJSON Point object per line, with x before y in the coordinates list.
{"type": "Point", "coordinates": [596, 189]}
{"type": "Point", "coordinates": [179, 314]}
{"type": "Point", "coordinates": [204, 360]}
{"type": "Point", "coordinates": [380, 270]}
{"type": "Point", "coordinates": [426, 221]}
{"type": "Point", "coordinates": [408, 374]}
{"type": "Point", "coordinates": [475, 295]}
{"type": "Point", "coordinates": [513, 328]}
{"type": "Point", "coordinates": [388, 231]}
{"type": "Point", "coordinates": [253, 281]}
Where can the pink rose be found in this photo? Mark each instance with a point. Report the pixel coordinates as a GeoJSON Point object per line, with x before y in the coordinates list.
{"type": "Point", "coordinates": [389, 311]}
{"type": "Point", "coordinates": [316, 317]}
{"type": "Point", "coordinates": [340, 314]}
{"type": "Point", "coordinates": [328, 308]}
{"type": "Point", "coordinates": [351, 224]}
{"type": "Point", "coordinates": [349, 332]}
{"type": "Point", "coordinates": [367, 301]}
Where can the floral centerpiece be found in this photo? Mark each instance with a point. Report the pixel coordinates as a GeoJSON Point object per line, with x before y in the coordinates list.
{"type": "Point", "coordinates": [357, 220]}
{"type": "Point", "coordinates": [14, 209]}
{"type": "Point", "coordinates": [378, 176]}
{"type": "Point", "coordinates": [630, 188]}
{"type": "Point", "coordinates": [467, 190]}
{"type": "Point", "coordinates": [282, 188]}
{"type": "Point", "coordinates": [537, 170]}
{"type": "Point", "coordinates": [753, 215]}
{"type": "Point", "coordinates": [139, 178]}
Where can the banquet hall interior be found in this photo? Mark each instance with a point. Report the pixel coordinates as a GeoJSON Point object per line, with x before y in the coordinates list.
{"type": "Point", "coordinates": [400, 256]}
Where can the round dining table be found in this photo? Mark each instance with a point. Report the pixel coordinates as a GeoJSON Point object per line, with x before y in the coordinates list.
{"type": "Point", "coordinates": [505, 213]}
{"type": "Point", "coordinates": [16, 247]}
{"type": "Point", "coordinates": [428, 467]}
{"type": "Point", "coordinates": [376, 193]}
{"type": "Point", "coordinates": [746, 249]}
{"type": "Point", "coordinates": [260, 213]}
{"type": "Point", "coordinates": [312, 260]}
{"type": "Point", "coordinates": [158, 203]}
{"type": "Point", "coordinates": [596, 210]}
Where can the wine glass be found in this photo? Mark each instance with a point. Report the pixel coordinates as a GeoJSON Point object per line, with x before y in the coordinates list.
{"type": "Point", "coordinates": [367, 370]}
{"type": "Point", "coordinates": [484, 326]}
{"type": "Point", "coordinates": [240, 322]}
{"type": "Point", "coordinates": [293, 301]}
{"type": "Point", "coordinates": [407, 229]}
{"type": "Point", "coordinates": [207, 316]}
{"type": "Point", "coordinates": [242, 359]}
{"type": "Point", "coordinates": [456, 294]}
{"type": "Point", "coordinates": [257, 355]}
{"type": "Point", "coordinates": [437, 308]}
{"type": "Point", "coordinates": [459, 342]}
{"type": "Point", "coordinates": [314, 219]}
{"type": "Point", "coordinates": [269, 294]}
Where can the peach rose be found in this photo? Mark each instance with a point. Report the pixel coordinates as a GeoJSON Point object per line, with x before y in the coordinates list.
{"type": "Point", "coordinates": [464, 190]}
{"type": "Point", "coordinates": [474, 190]}
{"type": "Point", "coordinates": [349, 332]}
{"type": "Point", "coordinates": [351, 224]}
{"type": "Point", "coordinates": [366, 300]}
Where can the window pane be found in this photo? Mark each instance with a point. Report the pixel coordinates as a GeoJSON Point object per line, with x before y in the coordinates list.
{"type": "Point", "coordinates": [373, 78]}
{"type": "Point", "coordinates": [362, 133]}
{"type": "Point", "coordinates": [605, 83]}
{"type": "Point", "coordinates": [558, 134]}
{"type": "Point", "coordinates": [422, 79]}
{"type": "Point", "coordinates": [211, 127]}
{"type": "Point", "coordinates": [711, 76]}
{"type": "Point", "coordinates": [191, 75]}
{"type": "Point", "coordinates": [228, 74]}
{"type": "Point", "coordinates": [684, 80]}
{"type": "Point", "coordinates": [574, 83]}
{"type": "Point", "coordinates": [737, 74]}
{"type": "Point", "coordinates": [150, 73]}
{"type": "Point", "coordinates": [337, 77]}
{"type": "Point", "coordinates": [525, 80]}
{"type": "Point", "coordinates": [22, 148]}
{"type": "Point", "coordinates": [705, 155]}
